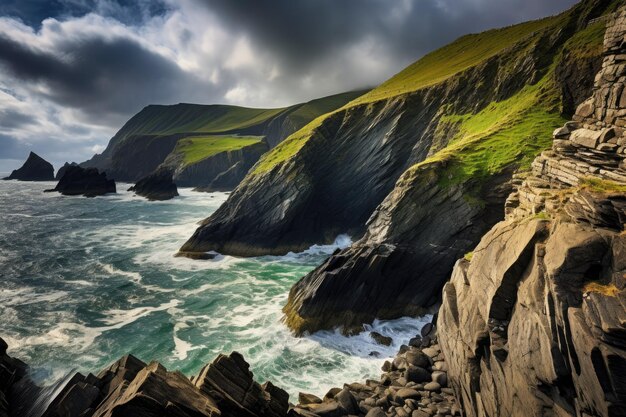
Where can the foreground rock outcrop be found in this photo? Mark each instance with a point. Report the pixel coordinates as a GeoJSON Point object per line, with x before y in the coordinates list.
{"type": "Point", "coordinates": [130, 387]}
{"type": "Point", "coordinates": [414, 383]}
{"type": "Point", "coordinates": [84, 181]}
{"type": "Point", "coordinates": [535, 323]}
{"type": "Point", "coordinates": [157, 186]}
{"type": "Point", "coordinates": [34, 169]}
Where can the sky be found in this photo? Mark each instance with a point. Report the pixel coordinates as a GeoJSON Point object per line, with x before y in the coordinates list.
{"type": "Point", "coordinates": [73, 71]}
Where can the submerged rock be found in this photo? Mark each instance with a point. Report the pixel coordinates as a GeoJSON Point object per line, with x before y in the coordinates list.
{"type": "Point", "coordinates": [156, 186]}
{"type": "Point", "coordinates": [34, 169]}
{"type": "Point", "coordinates": [535, 323]}
{"type": "Point", "coordinates": [84, 181]}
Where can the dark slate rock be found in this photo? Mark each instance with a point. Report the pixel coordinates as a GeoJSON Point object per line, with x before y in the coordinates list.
{"type": "Point", "coordinates": [84, 181]}
{"type": "Point", "coordinates": [156, 186]}
{"type": "Point", "coordinates": [34, 169]}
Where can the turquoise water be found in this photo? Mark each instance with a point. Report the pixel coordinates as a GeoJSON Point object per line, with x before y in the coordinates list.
{"type": "Point", "coordinates": [84, 281]}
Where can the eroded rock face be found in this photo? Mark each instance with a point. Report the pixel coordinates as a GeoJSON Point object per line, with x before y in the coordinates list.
{"type": "Point", "coordinates": [220, 172]}
{"type": "Point", "coordinates": [535, 323]}
{"type": "Point", "coordinates": [399, 267]}
{"type": "Point", "coordinates": [130, 387]}
{"type": "Point", "coordinates": [34, 169]}
{"type": "Point", "coordinates": [156, 186]}
{"type": "Point", "coordinates": [84, 181]}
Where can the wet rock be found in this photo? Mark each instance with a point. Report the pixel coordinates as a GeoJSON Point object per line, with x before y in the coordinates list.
{"type": "Point", "coordinates": [380, 339]}
{"type": "Point", "coordinates": [35, 168]}
{"type": "Point", "coordinates": [157, 186]}
{"type": "Point", "coordinates": [84, 181]}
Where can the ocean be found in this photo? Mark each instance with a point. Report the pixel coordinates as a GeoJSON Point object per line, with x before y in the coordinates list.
{"type": "Point", "coordinates": [84, 281]}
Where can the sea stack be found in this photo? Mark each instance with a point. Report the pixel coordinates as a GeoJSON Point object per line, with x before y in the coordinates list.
{"type": "Point", "coordinates": [34, 169]}
{"type": "Point", "coordinates": [62, 170]}
{"type": "Point", "coordinates": [84, 181]}
{"type": "Point", "coordinates": [157, 186]}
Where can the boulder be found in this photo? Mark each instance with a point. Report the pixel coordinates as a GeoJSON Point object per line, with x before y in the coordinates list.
{"type": "Point", "coordinates": [34, 169]}
{"type": "Point", "coordinates": [156, 186]}
{"type": "Point", "coordinates": [84, 181]}
{"type": "Point", "coordinates": [380, 339]}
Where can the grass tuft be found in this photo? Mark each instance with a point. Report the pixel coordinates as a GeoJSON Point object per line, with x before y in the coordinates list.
{"type": "Point", "coordinates": [598, 185]}
{"type": "Point", "coordinates": [609, 290]}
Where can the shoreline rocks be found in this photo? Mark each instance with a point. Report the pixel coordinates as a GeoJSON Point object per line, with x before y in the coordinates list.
{"type": "Point", "coordinates": [84, 181]}
{"type": "Point", "coordinates": [413, 384]}
{"type": "Point", "coordinates": [35, 168]}
{"type": "Point", "coordinates": [157, 186]}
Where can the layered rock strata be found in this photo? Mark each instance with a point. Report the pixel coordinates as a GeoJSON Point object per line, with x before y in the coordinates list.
{"type": "Point", "coordinates": [35, 168]}
{"type": "Point", "coordinates": [535, 323]}
{"type": "Point", "coordinates": [130, 387]}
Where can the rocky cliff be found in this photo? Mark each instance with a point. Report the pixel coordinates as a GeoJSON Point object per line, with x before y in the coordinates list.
{"type": "Point", "coordinates": [149, 137]}
{"type": "Point", "coordinates": [329, 177]}
{"type": "Point", "coordinates": [441, 207]}
{"type": "Point", "coordinates": [35, 168]}
{"type": "Point", "coordinates": [533, 322]}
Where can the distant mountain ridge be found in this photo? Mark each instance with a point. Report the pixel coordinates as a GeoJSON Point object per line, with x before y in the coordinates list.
{"type": "Point", "coordinates": [146, 140]}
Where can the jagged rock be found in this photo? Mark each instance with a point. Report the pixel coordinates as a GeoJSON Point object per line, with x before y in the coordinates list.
{"type": "Point", "coordinates": [34, 169]}
{"type": "Point", "coordinates": [62, 170]}
{"type": "Point", "coordinates": [380, 339]}
{"type": "Point", "coordinates": [304, 399]}
{"type": "Point", "coordinates": [535, 323]}
{"type": "Point", "coordinates": [229, 380]}
{"type": "Point", "coordinates": [156, 186]}
{"type": "Point", "coordinates": [84, 181]}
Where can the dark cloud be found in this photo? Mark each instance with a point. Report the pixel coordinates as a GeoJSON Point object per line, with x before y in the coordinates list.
{"type": "Point", "coordinates": [101, 76]}
{"type": "Point", "coordinates": [301, 32]}
{"type": "Point", "coordinates": [69, 82]}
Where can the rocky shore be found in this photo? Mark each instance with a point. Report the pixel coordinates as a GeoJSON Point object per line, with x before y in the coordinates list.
{"type": "Point", "coordinates": [413, 384]}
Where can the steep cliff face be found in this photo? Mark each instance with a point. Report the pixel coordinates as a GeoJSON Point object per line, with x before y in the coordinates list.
{"type": "Point", "coordinates": [146, 140]}
{"type": "Point", "coordinates": [329, 177]}
{"type": "Point", "coordinates": [534, 323]}
{"type": "Point", "coordinates": [222, 170]}
{"type": "Point", "coordinates": [440, 208]}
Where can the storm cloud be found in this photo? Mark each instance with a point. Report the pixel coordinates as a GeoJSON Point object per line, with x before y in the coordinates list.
{"type": "Point", "coordinates": [72, 71]}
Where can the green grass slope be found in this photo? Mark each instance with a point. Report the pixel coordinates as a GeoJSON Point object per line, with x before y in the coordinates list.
{"type": "Point", "coordinates": [511, 131]}
{"type": "Point", "coordinates": [197, 148]}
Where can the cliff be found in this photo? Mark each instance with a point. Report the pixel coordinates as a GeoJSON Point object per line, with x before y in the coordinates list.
{"type": "Point", "coordinates": [533, 322]}
{"type": "Point", "coordinates": [149, 137]}
{"type": "Point", "coordinates": [497, 89]}
{"type": "Point", "coordinates": [35, 168]}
